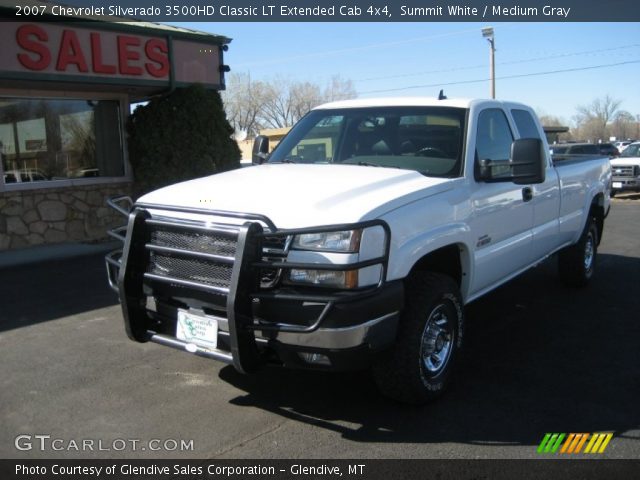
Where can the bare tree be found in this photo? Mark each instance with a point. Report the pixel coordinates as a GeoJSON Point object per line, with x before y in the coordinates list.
{"type": "Point", "coordinates": [592, 120]}
{"type": "Point", "coordinates": [339, 89]}
{"type": "Point", "coordinates": [624, 125]}
{"type": "Point", "coordinates": [277, 103]}
{"type": "Point", "coordinates": [278, 107]}
{"type": "Point", "coordinates": [551, 121]}
{"type": "Point", "coordinates": [243, 101]}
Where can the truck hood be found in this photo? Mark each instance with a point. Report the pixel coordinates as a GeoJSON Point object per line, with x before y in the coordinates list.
{"type": "Point", "coordinates": [625, 161]}
{"type": "Point", "coordinates": [298, 196]}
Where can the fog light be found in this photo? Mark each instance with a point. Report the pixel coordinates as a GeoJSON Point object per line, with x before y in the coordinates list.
{"type": "Point", "coordinates": [315, 358]}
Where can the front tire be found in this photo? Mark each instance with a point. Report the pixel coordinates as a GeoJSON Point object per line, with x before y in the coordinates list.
{"type": "Point", "coordinates": [418, 367]}
{"type": "Point", "coordinates": [577, 263]}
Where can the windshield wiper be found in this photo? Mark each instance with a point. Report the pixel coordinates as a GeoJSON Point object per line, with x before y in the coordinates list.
{"type": "Point", "coordinates": [285, 160]}
{"type": "Point", "coordinates": [367, 164]}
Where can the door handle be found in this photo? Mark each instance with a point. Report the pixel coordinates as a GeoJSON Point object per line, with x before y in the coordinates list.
{"type": "Point", "coordinates": [527, 194]}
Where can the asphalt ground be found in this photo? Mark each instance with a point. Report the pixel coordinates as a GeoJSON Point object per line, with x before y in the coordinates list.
{"type": "Point", "coordinates": [539, 357]}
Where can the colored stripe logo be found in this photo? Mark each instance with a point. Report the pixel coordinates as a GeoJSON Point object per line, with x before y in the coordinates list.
{"type": "Point", "coordinates": [574, 443]}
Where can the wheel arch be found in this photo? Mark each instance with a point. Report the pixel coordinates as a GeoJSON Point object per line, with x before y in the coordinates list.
{"type": "Point", "coordinates": [452, 260]}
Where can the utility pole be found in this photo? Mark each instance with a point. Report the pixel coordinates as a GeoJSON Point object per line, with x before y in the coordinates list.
{"type": "Point", "coordinates": [487, 32]}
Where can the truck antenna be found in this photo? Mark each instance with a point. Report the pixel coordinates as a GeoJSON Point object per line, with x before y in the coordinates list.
{"type": "Point", "coordinates": [441, 95]}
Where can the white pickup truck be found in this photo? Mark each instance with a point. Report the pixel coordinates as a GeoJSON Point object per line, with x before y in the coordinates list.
{"type": "Point", "coordinates": [626, 170]}
{"type": "Point", "coordinates": [358, 241]}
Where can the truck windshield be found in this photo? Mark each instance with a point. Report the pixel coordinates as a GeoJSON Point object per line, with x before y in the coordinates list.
{"type": "Point", "coordinates": [428, 140]}
{"type": "Point", "coordinates": [632, 150]}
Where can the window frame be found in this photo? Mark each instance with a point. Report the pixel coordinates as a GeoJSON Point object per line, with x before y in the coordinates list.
{"type": "Point", "coordinates": [123, 103]}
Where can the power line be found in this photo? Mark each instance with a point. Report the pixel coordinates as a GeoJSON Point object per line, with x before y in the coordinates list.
{"type": "Point", "coordinates": [534, 74]}
{"type": "Point", "coordinates": [512, 62]}
{"type": "Point", "coordinates": [329, 53]}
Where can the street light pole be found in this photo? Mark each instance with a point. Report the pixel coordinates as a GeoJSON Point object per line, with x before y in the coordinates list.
{"type": "Point", "coordinates": [487, 33]}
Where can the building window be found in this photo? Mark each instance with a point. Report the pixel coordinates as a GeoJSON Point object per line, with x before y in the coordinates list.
{"type": "Point", "coordinates": [59, 139]}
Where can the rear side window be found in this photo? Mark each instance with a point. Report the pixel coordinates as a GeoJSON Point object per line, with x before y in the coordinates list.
{"type": "Point", "coordinates": [585, 150]}
{"type": "Point", "coordinates": [559, 150]}
{"type": "Point", "coordinates": [525, 123]}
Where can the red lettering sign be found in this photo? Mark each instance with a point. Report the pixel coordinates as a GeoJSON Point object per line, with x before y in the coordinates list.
{"type": "Point", "coordinates": [70, 53]}
{"type": "Point", "coordinates": [157, 52]}
{"type": "Point", "coordinates": [79, 51]}
{"type": "Point", "coordinates": [126, 55]}
{"type": "Point", "coordinates": [96, 56]}
{"type": "Point", "coordinates": [25, 37]}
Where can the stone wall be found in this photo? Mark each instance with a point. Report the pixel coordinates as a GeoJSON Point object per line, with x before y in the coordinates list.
{"type": "Point", "coordinates": [69, 214]}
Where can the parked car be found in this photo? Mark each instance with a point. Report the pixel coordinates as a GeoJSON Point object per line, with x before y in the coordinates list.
{"type": "Point", "coordinates": [608, 149]}
{"type": "Point", "coordinates": [575, 149]}
{"type": "Point", "coordinates": [24, 175]}
{"type": "Point", "coordinates": [626, 170]}
{"type": "Point", "coordinates": [357, 242]}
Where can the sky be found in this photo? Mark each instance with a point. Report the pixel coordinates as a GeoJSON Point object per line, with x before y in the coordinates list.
{"type": "Point", "coordinates": [590, 60]}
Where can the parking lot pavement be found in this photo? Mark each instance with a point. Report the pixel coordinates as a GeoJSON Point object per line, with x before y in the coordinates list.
{"type": "Point", "coordinates": [539, 357]}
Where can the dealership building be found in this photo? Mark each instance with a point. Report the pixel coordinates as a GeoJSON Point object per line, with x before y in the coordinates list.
{"type": "Point", "coordinates": [66, 89]}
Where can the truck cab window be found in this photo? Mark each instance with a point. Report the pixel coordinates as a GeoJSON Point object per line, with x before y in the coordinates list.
{"type": "Point", "coordinates": [494, 138]}
{"type": "Point", "coordinates": [525, 123]}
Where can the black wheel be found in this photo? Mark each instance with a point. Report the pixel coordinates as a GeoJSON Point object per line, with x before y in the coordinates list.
{"type": "Point", "coordinates": [577, 263]}
{"type": "Point", "coordinates": [418, 367]}
{"type": "Point", "coordinates": [613, 193]}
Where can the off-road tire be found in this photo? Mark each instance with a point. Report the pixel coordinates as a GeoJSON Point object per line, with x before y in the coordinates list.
{"type": "Point", "coordinates": [577, 263]}
{"type": "Point", "coordinates": [409, 372]}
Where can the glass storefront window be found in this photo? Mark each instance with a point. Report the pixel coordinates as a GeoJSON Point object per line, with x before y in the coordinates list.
{"type": "Point", "coordinates": [59, 139]}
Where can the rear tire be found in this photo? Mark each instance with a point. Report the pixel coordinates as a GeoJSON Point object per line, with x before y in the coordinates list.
{"type": "Point", "coordinates": [577, 263]}
{"type": "Point", "coordinates": [418, 367]}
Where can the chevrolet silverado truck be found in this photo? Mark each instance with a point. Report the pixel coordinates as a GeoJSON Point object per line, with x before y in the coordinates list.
{"type": "Point", "coordinates": [357, 242]}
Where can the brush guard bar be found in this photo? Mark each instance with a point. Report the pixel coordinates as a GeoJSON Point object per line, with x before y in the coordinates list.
{"type": "Point", "coordinates": [127, 270]}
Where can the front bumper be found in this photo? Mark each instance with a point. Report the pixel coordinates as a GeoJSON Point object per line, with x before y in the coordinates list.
{"type": "Point", "coordinates": [621, 184]}
{"type": "Point", "coordinates": [256, 325]}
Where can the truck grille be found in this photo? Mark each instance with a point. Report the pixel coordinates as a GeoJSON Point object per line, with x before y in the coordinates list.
{"type": "Point", "coordinates": [199, 255]}
{"type": "Point", "coordinates": [623, 171]}
{"type": "Point", "coordinates": [192, 269]}
{"type": "Point", "coordinates": [195, 241]}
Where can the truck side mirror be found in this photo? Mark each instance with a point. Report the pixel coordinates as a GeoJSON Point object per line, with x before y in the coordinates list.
{"type": "Point", "coordinates": [260, 150]}
{"type": "Point", "coordinates": [526, 164]}
{"type": "Point", "coordinates": [527, 161]}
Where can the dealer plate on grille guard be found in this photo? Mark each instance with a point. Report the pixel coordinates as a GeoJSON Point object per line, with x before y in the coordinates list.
{"type": "Point", "coordinates": [198, 329]}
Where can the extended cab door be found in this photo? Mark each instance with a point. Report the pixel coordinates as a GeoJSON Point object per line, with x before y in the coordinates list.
{"type": "Point", "coordinates": [502, 218]}
{"type": "Point", "coordinates": [545, 195]}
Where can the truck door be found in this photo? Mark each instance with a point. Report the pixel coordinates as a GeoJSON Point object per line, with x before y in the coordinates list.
{"type": "Point", "coordinates": [502, 216]}
{"type": "Point", "coordinates": [545, 195]}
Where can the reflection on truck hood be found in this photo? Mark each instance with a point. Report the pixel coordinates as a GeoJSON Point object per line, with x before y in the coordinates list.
{"type": "Point", "coordinates": [296, 196]}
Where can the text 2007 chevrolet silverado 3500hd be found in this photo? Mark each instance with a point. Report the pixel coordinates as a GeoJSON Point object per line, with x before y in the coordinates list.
{"type": "Point", "coordinates": [359, 240]}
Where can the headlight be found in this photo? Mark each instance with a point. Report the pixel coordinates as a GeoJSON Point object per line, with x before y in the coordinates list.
{"type": "Point", "coordinates": [326, 278]}
{"type": "Point", "coordinates": [344, 241]}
